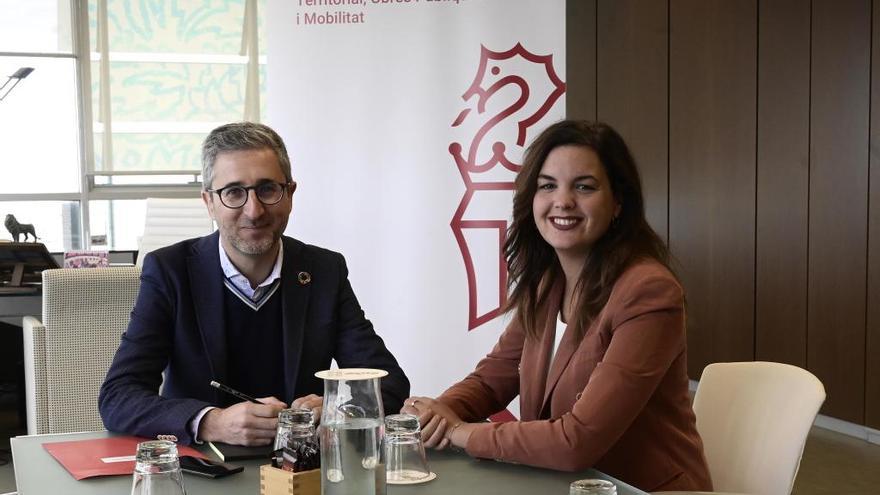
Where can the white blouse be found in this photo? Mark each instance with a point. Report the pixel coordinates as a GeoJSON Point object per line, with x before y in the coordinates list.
{"type": "Point", "coordinates": [560, 331]}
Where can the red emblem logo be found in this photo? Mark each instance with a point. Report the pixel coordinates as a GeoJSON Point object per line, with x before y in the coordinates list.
{"type": "Point", "coordinates": [512, 88]}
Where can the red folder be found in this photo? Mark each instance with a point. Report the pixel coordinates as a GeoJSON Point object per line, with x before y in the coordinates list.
{"type": "Point", "coordinates": [102, 456]}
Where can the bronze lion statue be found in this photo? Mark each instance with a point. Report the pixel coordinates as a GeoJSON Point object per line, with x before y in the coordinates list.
{"type": "Point", "coordinates": [17, 229]}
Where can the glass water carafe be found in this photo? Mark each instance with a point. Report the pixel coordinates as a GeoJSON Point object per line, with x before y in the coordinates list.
{"type": "Point", "coordinates": [352, 430]}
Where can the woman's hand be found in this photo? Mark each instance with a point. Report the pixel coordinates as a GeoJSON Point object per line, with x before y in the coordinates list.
{"type": "Point", "coordinates": [441, 426]}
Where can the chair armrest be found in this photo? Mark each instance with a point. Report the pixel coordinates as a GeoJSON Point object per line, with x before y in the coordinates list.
{"type": "Point", "coordinates": [35, 375]}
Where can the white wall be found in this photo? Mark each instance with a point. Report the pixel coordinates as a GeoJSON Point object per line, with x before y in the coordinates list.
{"type": "Point", "coordinates": [366, 111]}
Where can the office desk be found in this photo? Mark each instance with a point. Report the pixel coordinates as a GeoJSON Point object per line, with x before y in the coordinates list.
{"type": "Point", "coordinates": [37, 473]}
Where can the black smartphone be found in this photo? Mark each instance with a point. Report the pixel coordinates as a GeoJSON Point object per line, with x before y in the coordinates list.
{"type": "Point", "coordinates": [207, 467]}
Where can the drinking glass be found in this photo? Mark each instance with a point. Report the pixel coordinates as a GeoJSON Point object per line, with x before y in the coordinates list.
{"type": "Point", "coordinates": [296, 447]}
{"type": "Point", "coordinates": [290, 421]}
{"type": "Point", "coordinates": [404, 452]}
{"type": "Point", "coordinates": [157, 469]}
{"type": "Point", "coordinates": [592, 487]}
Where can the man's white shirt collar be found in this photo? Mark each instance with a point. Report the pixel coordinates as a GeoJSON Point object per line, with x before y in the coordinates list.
{"type": "Point", "coordinates": [241, 282]}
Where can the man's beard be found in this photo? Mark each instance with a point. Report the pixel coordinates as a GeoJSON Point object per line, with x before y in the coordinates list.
{"type": "Point", "coordinates": [255, 247]}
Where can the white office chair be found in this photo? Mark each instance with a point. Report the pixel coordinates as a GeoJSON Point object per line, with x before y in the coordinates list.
{"type": "Point", "coordinates": [172, 220]}
{"type": "Point", "coordinates": [85, 312]}
{"type": "Point", "coordinates": [754, 418]}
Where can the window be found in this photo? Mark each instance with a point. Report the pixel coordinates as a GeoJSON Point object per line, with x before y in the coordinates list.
{"type": "Point", "coordinates": [121, 97]}
{"type": "Point", "coordinates": [40, 122]}
{"type": "Point", "coordinates": [171, 72]}
{"type": "Point", "coordinates": [56, 223]}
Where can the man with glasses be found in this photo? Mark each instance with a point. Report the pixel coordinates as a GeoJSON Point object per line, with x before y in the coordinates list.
{"type": "Point", "coordinates": [245, 306]}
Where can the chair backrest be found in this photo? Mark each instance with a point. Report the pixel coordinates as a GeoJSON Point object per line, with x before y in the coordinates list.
{"type": "Point", "coordinates": [85, 312]}
{"type": "Point", "coordinates": [172, 220]}
{"type": "Point", "coordinates": [754, 418]}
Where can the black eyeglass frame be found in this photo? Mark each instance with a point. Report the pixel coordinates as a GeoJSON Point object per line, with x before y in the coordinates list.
{"type": "Point", "coordinates": [285, 186]}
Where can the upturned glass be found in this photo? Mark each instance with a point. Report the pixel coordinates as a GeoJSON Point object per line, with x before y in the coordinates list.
{"type": "Point", "coordinates": [592, 487]}
{"type": "Point", "coordinates": [157, 469]}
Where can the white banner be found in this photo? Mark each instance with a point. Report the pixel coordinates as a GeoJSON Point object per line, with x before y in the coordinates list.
{"type": "Point", "coordinates": [406, 121]}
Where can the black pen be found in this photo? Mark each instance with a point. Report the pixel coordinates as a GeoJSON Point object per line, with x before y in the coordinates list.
{"type": "Point", "coordinates": [232, 391]}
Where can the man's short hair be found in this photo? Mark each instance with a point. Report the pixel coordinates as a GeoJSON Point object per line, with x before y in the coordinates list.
{"type": "Point", "coordinates": [240, 136]}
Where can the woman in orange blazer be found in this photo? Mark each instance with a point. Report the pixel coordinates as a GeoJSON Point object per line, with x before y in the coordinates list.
{"type": "Point", "coordinates": [596, 349]}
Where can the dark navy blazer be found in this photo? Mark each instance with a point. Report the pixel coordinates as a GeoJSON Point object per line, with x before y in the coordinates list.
{"type": "Point", "coordinates": [177, 328]}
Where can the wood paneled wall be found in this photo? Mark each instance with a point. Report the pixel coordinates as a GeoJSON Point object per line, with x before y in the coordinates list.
{"type": "Point", "coordinates": [872, 341]}
{"type": "Point", "coordinates": [754, 124]}
{"type": "Point", "coordinates": [783, 165]}
{"type": "Point", "coordinates": [632, 90]}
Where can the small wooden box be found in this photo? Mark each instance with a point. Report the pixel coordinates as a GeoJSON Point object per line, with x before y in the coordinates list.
{"type": "Point", "coordinates": [274, 481]}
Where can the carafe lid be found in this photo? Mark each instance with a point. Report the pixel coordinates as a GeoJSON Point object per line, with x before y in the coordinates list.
{"type": "Point", "coordinates": [351, 374]}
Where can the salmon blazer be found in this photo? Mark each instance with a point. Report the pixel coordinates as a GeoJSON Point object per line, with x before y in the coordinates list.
{"type": "Point", "coordinates": [617, 400]}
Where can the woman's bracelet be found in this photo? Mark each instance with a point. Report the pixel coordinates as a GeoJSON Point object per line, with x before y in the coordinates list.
{"type": "Point", "coordinates": [452, 430]}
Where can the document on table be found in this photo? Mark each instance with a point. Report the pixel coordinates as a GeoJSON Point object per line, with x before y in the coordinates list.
{"type": "Point", "coordinates": [102, 456]}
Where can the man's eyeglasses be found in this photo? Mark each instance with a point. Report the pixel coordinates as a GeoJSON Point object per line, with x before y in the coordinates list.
{"type": "Point", "coordinates": [269, 193]}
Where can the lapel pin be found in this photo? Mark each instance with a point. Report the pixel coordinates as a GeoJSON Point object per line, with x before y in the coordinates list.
{"type": "Point", "coordinates": [304, 278]}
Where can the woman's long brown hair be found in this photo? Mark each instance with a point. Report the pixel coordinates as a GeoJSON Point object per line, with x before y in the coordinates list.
{"type": "Point", "coordinates": [533, 267]}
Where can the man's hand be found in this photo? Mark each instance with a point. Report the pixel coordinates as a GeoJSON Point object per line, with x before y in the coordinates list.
{"type": "Point", "coordinates": [244, 423]}
{"type": "Point", "coordinates": [311, 401]}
